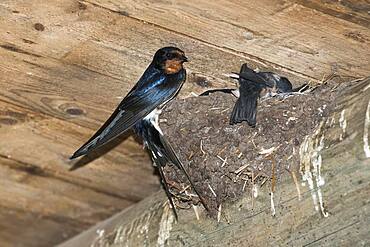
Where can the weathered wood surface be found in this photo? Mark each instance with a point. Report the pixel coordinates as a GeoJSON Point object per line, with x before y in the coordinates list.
{"type": "Point", "coordinates": [284, 34]}
{"type": "Point", "coordinates": [356, 11]}
{"type": "Point", "coordinates": [336, 153]}
{"type": "Point", "coordinates": [64, 64]}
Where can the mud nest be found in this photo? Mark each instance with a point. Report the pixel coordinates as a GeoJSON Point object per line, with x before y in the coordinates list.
{"type": "Point", "coordinates": [226, 161]}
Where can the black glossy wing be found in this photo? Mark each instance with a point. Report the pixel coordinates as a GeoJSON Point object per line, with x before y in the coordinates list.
{"type": "Point", "coordinates": [133, 108]}
{"type": "Point", "coordinates": [250, 75]}
{"type": "Point", "coordinates": [269, 79]}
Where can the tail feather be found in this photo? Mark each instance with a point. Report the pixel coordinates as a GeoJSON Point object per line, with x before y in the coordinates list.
{"type": "Point", "coordinates": [245, 109]}
{"type": "Point", "coordinates": [167, 190]}
{"type": "Point", "coordinates": [152, 139]}
{"type": "Point", "coordinates": [175, 160]}
{"type": "Point", "coordinates": [162, 153]}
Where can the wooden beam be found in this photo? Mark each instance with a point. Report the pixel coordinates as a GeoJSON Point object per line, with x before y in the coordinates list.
{"type": "Point", "coordinates": [51, 142]}
{"type": "Point", "coordinates": [65, 64]}
{"type": "Point", "coordinates": [33, 229]}
{"type": "Point", "coordinates": [34, 150]}
{"type": "Point", "coordinates": [344, 165]}
{"type": "Point", "coordinates": [115, 46]}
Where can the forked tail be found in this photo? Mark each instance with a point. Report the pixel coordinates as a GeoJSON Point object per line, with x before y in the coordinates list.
{"type": "Point", "coordinates": [245, 109]}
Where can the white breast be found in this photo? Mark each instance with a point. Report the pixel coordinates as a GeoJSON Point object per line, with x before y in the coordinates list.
{"type": "Point", "coordinates": [153, 117]}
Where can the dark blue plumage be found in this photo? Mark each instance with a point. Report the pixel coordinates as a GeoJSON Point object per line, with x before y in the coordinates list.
{"type": "Point", "coordinates": [160, 83]}
{"type": "Point", "coordinates": [253, 85]}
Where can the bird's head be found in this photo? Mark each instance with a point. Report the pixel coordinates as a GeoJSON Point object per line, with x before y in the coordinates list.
{"type": "Point", "coordinates": [169, 59]}
{"type": "Point", "coordinates": [284, 85]}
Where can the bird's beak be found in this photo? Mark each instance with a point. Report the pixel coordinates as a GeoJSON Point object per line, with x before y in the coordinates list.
{"type": "Point", "coordinates": [185, 59]}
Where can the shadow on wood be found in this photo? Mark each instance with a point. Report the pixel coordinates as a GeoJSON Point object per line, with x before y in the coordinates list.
{"type": "Point", "coordinates": [100, 151]}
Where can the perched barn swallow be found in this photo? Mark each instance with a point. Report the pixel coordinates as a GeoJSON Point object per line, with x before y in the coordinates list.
{"type": "Point", "coordinates": [139, 110]}
{"type": "Point", "coordinates": [161, 152]}
{"type": "Point", "coordinates": [253, 85]}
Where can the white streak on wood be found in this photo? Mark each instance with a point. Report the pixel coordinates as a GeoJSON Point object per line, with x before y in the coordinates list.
{"type": "Point", "coordinates": [307, 176]}
{"type": "Point", "coordinates": [311, 163]}
{"type": "Point", "coordinates": [296, 185]}
{"type": "Point", "coordinates": [317, 163]}
{"type": "Point", "coordinates": [342, 124]}
{"type": "Point", "coordinates": [165, 227]}
{"type": "Point", "coordinates": [366, 131]}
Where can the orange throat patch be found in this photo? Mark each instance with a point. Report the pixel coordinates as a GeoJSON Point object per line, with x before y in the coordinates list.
{"type": "Point", "coordinates": [172, 66]}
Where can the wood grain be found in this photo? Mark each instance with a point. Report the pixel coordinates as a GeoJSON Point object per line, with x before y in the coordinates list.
{"type": "Point", "coordinates": [66, 64]}
{"type": "Point", "coordinates": [284, 33]}
{"type": "Point", "coordinates": [55, 97]}
{"type": "Point", "coordinates": [52, 140]}
{"type": "Point", "coordinates": [35, 230]}
{"type": "Point", "coordinates": [117, 46]}
{"type": "Point", "coordinates": [36, 140]}
{"type": "Point", "coordinates": [356, 11]}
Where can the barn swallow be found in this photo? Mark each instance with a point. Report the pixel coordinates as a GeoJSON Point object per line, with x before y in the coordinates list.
{"type": "Point", "coordinates": [253, 85]}
{"type": "Point", "coordinates": [159, 84]}
{"type": "Point", "coordinates": [161, 152]}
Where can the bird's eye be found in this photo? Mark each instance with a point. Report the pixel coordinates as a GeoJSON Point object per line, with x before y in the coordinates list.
{"type": "Point", "coordinates": [170, 56]}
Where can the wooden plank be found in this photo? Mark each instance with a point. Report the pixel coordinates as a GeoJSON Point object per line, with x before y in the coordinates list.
{"type": "Point", "coordinates": [69, 89]}
{"type": "Point", "coordinates": [34, 148]}
{"type": "Point", "coordinates": [51, 107]}
{"type": "Point", "coordinates": [290, 35]}
{"type": "Point", "coordinates": [48, 207]}
{"type": "Point", "coordinates": [356, 11]}
{"type": "Point", "coordinates": [63, 25]}
{"type": "Point", "coordinates": [52, 140]}
{"type": "Point", "coordinates": [25, 190]}
{"type": "Point", "coordinates": [66, 64]}
{"type": "Point", "coordinates": [32, 230]}
{"type": "Point", "coordinates": [117, 46]}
